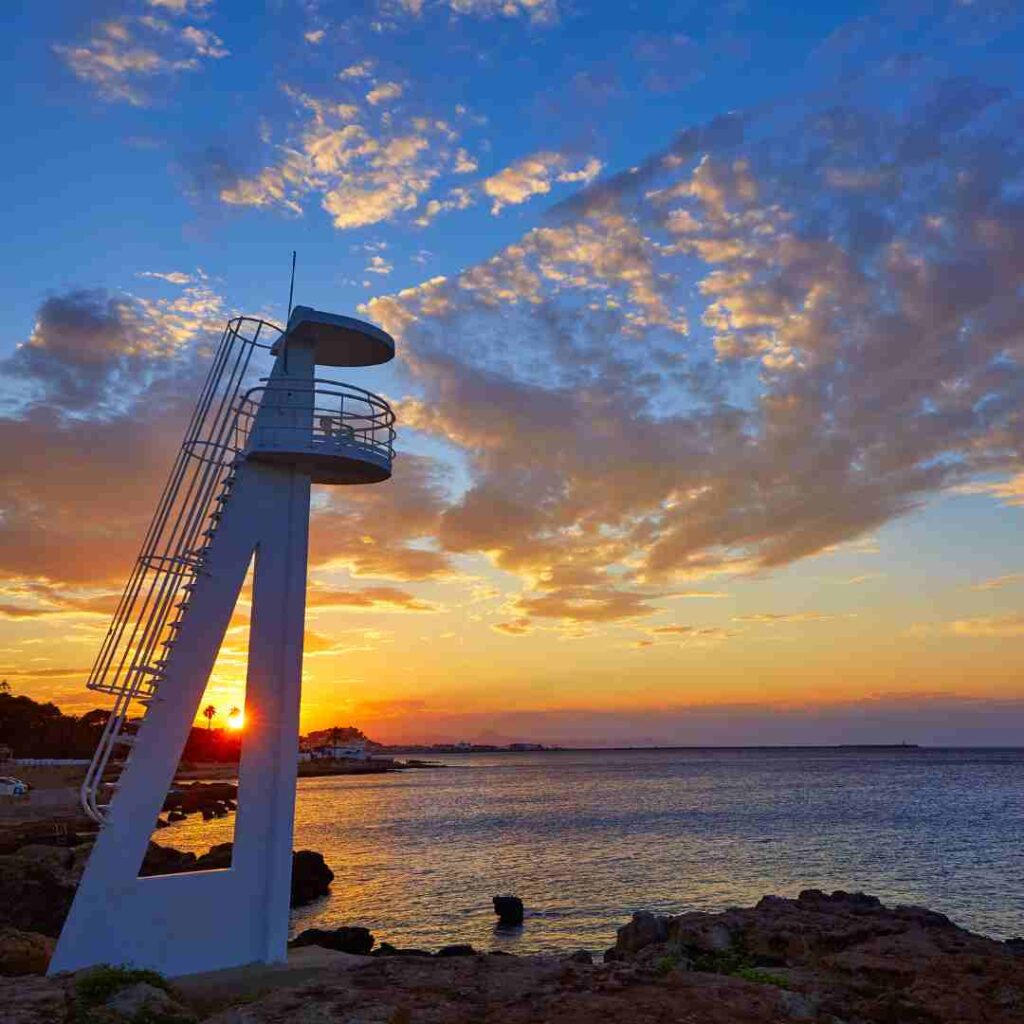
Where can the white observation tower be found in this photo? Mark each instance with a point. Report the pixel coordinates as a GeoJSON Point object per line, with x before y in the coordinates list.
{"type": "Point", "coordinates": [238, 494]}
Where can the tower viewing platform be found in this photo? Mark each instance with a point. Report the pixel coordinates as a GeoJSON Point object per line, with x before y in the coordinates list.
{"type": "Point", "coordinates": [338, 433]}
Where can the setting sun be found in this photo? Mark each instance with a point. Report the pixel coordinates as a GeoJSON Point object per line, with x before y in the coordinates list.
{"type": "Point", "coordinates": [236, 719]}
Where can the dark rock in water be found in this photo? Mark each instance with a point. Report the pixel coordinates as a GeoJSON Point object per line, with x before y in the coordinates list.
{"type": "Point", "coordinates": [216, 858]}
{"type": "Point", "coordinates": [165, 860]}
{"type": "Point", "coordinates": [311, 877]}
{"type": "Point", "coordinates": [386, 949]}
{"type": "Point", "coordinates": [458, 949]}
{"type": "Point", "coordinates": [207, 813]}
{"type": "Point", "coordinates": [160, 823]}
{"type": "Point", "coordinates": [1016, 945]}
{"type": "Point", "coordinates": [177, 816]}
{"type": "Point", "coordinates": [509, 910]}
{"type": "Point", "coordinates": [346, 940]}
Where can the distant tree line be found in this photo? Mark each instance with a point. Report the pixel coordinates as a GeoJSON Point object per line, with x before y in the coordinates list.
{"type": "Point", "coordinates": [32, 729]}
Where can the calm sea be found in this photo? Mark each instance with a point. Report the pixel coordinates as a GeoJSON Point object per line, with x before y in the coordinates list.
{"type": "Point", "coordinates": [587, 837]}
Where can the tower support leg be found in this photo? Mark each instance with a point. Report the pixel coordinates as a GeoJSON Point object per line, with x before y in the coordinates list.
{"type": "Point", "coordinates": [200, 921]}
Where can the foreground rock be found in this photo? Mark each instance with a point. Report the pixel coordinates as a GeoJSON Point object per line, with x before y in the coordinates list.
{"type": "Point", "coordinates": [842, 956]}
{"type": "Point", "coordinates": [839, 959]}
{"type": "Point", "coordinates": [24, 952]}
{"type": "Point", "coordinates": [37, 885]}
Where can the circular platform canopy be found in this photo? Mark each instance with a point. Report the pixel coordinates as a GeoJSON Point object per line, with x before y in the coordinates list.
{"type": "Point", "coordinates": [339, 340]}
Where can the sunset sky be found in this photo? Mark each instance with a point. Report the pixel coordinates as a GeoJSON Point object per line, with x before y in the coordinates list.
{"type": "Point", "coordinates": [710, 324]}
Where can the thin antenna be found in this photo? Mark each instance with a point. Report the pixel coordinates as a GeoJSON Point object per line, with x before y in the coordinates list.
{"type": "Point", "coordinates": [291, 288]}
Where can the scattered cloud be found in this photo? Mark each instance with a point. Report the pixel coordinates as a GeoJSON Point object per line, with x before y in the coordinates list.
{"type": "Point", "coordinates": [173, 277]}
{"type": "Point", "coordinates": [538, 12]}
{"type": "Point", "coordinates": [363, 69]}
{"type": "Point", "coordinates": [378, 265]}
{"type": "Point", "coordinates": [1009, 491]}
{"type": "Point", "coordinates": [998, 582]}
{"type": "Point", "coordinates": [534, 175]}
{"type": "Point", "coordinates": [367, 167]}
{"type": "Point", "coordinates": [182, 7]}
{"type": "Point", "coordinates": [384, 92]}
{"type": "Point", "coordinates": [773, 617]}
{"type": "Point", "coordinates": [993, 626]}
{"type": "Point", "coordinates": [315, 36]}
{"type": "Point", "coordinates": [125, 56]}
{"type": "Point", "coordinates": [795, 363]}
{"type": "Point", "coordinates": [514, 627]}
{"type": "Point", "coordinates": [324, 598]}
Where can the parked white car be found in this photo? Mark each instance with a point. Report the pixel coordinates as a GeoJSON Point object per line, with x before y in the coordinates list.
{"type": "Point", "coordinates": [12, 787]}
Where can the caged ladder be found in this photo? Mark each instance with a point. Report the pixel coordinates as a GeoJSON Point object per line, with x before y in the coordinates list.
{"type": "Point", "coordinates": [132, 657]}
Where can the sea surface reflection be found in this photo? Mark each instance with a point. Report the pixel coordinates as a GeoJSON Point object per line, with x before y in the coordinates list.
{"type": "Point", "coordinates": [587, 837]}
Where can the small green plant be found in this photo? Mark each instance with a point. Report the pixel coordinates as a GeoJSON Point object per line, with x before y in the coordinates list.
{"type": "Point", "coordinates": [723, 961]}
{"type": "Point", "coordinates": [95, 987]}
{"type": "Point", "coordinates": [666, 964]}
{"type": "Point", "coordinates": [760, 977]}
{"type": "Point", "coordinates": [99, 984]}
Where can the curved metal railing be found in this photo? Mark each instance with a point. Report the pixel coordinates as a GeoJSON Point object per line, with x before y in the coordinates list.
{"type": "Point", "coordinates": [132, 658]}
{"type": "Point", "coordinates": [320, 417]}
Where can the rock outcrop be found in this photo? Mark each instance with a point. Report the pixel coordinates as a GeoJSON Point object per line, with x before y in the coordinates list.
{"type": "Point", "coordinates": [844, 956]}
{"type": "Point", "coordinates": [356, 940]}
{"type": "Point", "coordinates": [24, 952]}
{"type": "Point", "coordinates": [38, 882]}
{"type": "Point", "coordinates": [311, 877]}
{"type": "Point", "coordinates": [37, 885]}
{"type": "Point", "coordinates": [509, 910]}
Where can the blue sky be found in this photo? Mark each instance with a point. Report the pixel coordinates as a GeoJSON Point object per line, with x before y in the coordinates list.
{"type": "Point", "coordinates": [713, 300]}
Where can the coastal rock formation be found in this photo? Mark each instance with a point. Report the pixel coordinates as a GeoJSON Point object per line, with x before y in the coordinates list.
{"type": "Point", "coordinates": [200, 796]}
{"type": "Point", "coordinates": [37, 885]}
{"type": "Point", "coordinates": [509, 910]}
{"type": "Point", "coordinates": [311, 877]}
{"type": "Point", "coordinates": [24, 952]}
{"type": "Point", "coordinates": [821, 959]}
{"type": "Point", "coordinates": [844, 955]}
{"type": "Point", "coordinates": [38, 882]}
{"type": "Point", "coordinates": [346, 940]}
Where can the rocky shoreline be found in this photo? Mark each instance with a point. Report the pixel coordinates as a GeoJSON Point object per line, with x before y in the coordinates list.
{"type": "Point", "coordinates": [840, 958]}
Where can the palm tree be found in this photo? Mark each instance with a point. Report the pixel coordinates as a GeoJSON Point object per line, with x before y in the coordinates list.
{"type": "Point", "coordinates": [5, 687]}
{"type": "Point", "coordinates": [209, 712]}
{"type": "Point", "coordinates": [234, 712]}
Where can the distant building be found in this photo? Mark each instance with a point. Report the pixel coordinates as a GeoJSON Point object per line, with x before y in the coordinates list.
{"type": "Point", "coordinates": [352, 750]}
